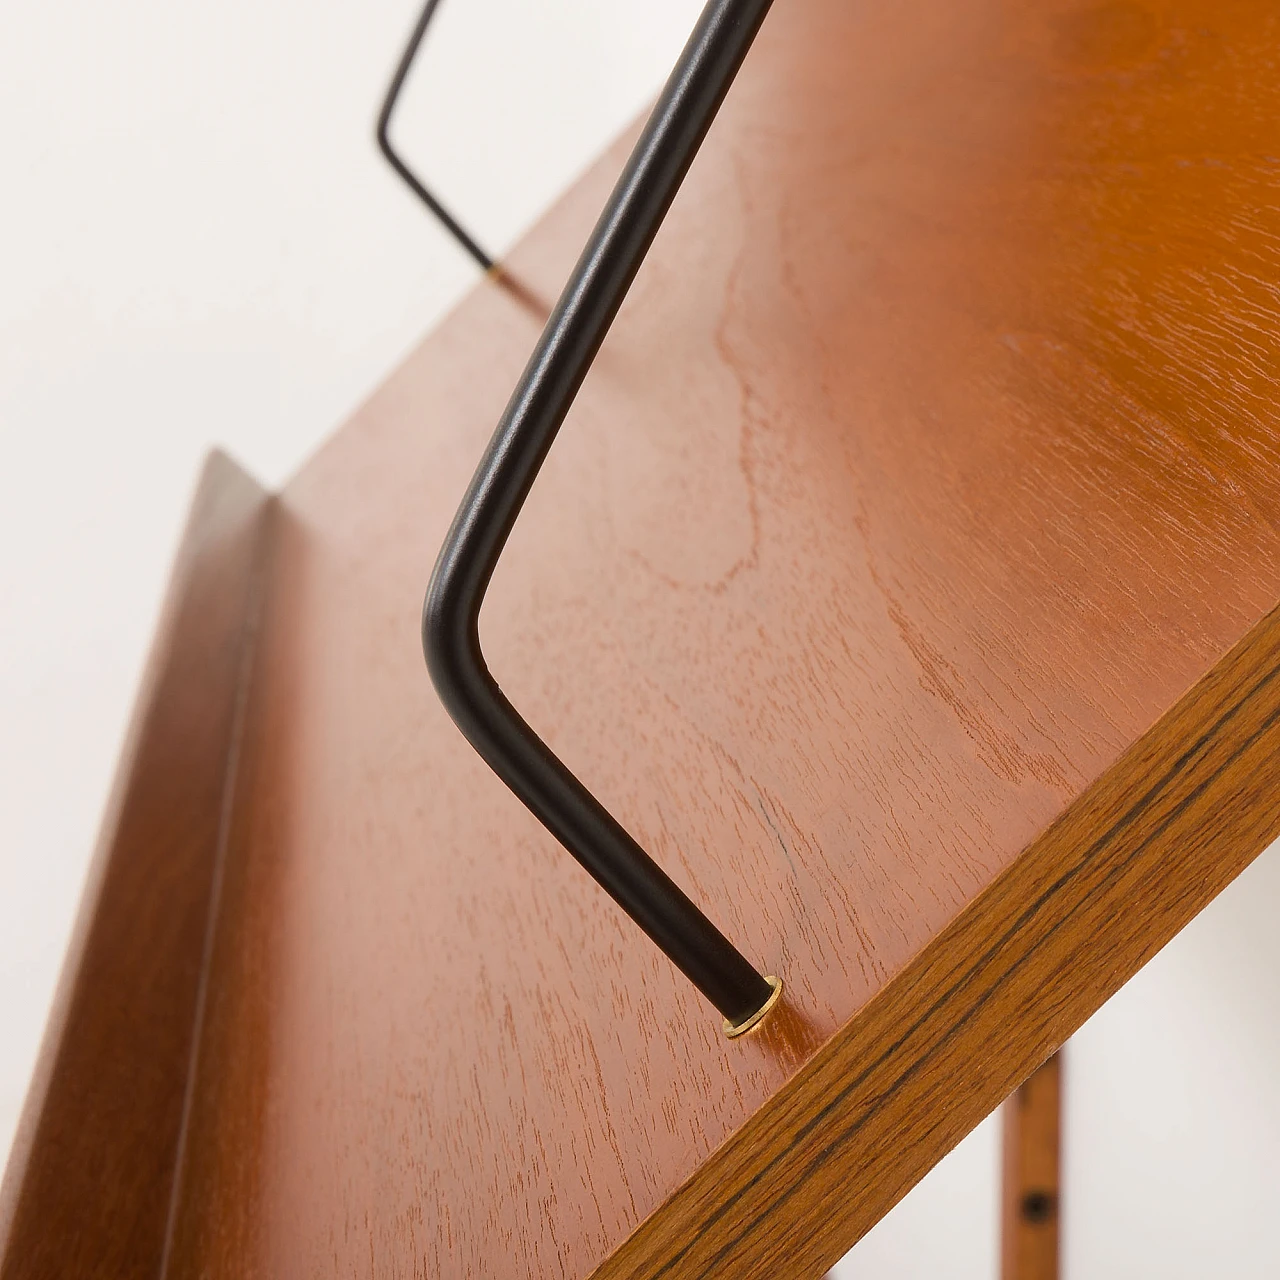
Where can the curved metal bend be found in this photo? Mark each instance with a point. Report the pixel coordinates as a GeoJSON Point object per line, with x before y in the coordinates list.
{"type": "Point", "coordinates": [537, 409]}
{"type": "Point", "coordinates": [449, 222]}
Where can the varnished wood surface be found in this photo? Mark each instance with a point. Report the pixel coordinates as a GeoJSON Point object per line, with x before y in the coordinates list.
{"type": "Point", "coordinates": [933, 459]}
{"type": "Point", "coordinates": [932, 463]}
{"type": "Point", "coordinates": [1091, 900]}
{"type": "Point", "coordinates": [1031, 1180]}
{"type": "Point", "coordinates": [88, 1186]}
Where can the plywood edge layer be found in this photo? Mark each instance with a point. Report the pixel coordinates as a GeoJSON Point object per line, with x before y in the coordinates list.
{"type": "Point", "coordinates": [86, 1189]}
{"type": "Point", "coordinates": [1080, 911]}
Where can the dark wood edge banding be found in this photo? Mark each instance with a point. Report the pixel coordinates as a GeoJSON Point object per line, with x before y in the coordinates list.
{"type": "Point", "coordinates": [1087, 903]}
{"type": "Point", "coordinates": [88, 1182]}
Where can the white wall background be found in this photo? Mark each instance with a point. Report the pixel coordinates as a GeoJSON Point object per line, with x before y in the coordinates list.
{"type": "Point", "coordinates": [199, 245]}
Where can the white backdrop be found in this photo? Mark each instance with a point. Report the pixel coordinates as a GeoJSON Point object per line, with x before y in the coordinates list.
{"type": "Point", "coordinates": [199, 245]}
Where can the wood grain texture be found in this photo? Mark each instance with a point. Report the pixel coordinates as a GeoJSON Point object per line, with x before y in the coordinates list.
{"type": "Point", "coordinates": [87, 1188]}
{"type": "Point", "coordinates": [1088, 903]}
{"type": "Point", "coordinates": [932, 461]}
{"type": "Point", "coordinates": [1030, 1191]}
{"type": "Point", "coordinates": [901, 580]}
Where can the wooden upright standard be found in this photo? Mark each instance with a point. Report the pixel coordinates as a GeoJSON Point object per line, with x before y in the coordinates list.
{"type": "Point", "coordinates": [1031, 1190]}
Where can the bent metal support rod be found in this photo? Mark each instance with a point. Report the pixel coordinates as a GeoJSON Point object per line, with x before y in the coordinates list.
{"type": "Point", "coordinates": [383, 132]}
{"type": "Point", "coordinates": [538, 407]}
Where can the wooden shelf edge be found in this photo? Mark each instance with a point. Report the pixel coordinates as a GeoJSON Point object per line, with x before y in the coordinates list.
{"type": "Point", "coordinates": [88, 1183]}
{"type": "Point", "coordinates": [1082, 909]}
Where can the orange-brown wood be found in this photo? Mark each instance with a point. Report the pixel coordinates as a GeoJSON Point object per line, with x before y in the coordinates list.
{"type": "Point", "coordinates": [892, 581]}
{"type": "Point", "coordinates": [1030, 1181]}
{"type": "Point", "coordinates": [1082, 908]}
{"type": "Point", "coordinates": [88, 1184]}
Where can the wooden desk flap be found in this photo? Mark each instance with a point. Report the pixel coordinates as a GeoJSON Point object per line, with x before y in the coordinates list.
{"type": "Point", "coordinates": [933, 460]}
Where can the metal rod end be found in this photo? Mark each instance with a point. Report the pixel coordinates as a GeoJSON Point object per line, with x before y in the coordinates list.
{"type": "Point", "coordinates": [735, 1029]}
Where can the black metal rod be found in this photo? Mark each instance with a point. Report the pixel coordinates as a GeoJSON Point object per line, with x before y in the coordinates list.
{"type": "Point", "coordinates": [447, 220]}
{"type": "Point", "coordinates": [538, 407]}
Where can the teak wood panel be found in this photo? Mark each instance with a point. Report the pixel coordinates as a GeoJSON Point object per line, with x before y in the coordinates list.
{"type": "Point", "coordinates": [933, 459]}
{"type": "Point", "coordinates": [1086, 905]}
{"type": "Point", "coordinates": [1030, 1191]}
{"type": "Point", "coordinates": [880, 582]}
{"type": "Point", "coordinates": [87, 1190]}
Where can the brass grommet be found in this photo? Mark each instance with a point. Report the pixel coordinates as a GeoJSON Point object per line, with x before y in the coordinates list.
{"type": "Point", "coordinates": [734, 1030]}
